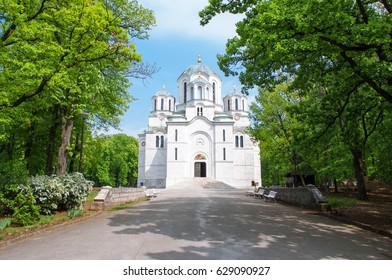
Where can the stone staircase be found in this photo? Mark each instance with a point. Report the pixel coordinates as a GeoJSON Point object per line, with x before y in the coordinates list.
{"type": "Point", "coordinates": [198, 182]}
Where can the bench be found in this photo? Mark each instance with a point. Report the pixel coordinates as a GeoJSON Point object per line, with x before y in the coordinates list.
{"type": "Point", "coordinates": [250, 192]}
{"type": "Point", "coordinates": [270, 196]}
{"type": "Point", "coordinates": [150, 193]}
{"type": "Point", "coordinates": [259, 194]}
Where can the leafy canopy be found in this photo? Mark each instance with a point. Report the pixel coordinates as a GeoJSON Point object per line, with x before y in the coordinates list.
{"type": "Point", "coordinates": [305, 38]}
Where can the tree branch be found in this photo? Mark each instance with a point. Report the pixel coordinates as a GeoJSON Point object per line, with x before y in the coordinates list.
{"type": "Point", "coordinates": [340, 110]}
{"type": "Point", "coordinates": [361, 7]}
{"type": "Point", "coordinates": [366, 78]}
{"type": "Point", "coordinates": [13, 26]}
{"type": "Point", "coordinates": [387, 5]}
{"type": "Point", "coordinates": [38, 90]}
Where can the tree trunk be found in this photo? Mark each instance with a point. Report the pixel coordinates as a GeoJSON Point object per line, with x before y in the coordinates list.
{"type": "Point", "coordinates": [29, 146]}
{"type": "Point", "coordinates": [52, 141]}
{"type": "Point", "coordinates": [76, 151]}
{"type": "Point", "coordinates": [66, 130]}
{"type": "Point", "coordinates": [359, 173]}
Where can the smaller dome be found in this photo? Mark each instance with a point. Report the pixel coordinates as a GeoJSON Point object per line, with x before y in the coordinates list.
{"type": "Point", "coordinates": [163, 92]}
{"type": "Point", "coordinates": [235, 92]}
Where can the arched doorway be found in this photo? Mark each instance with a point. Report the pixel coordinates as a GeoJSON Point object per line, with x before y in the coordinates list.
{"type": "Point", "coordinates": [200, 166]}
{"type": "Point", "coordinates": [200, 169]}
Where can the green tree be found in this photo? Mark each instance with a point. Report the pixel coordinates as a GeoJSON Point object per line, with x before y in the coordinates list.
{"type": "Point", "coordinates": [112, 160]}
{"type": "Point", "coordinates": [58, 59]}
{"type": "Point", "coordinates": [300, 37]}
{"type": "Point", "coordinates": [342, 46]}
{"type": "Point", "coordinates": [273, 128]}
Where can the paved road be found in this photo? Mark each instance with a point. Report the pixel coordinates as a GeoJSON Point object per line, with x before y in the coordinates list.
{"type": "Point", "coordinates": [204, 223]}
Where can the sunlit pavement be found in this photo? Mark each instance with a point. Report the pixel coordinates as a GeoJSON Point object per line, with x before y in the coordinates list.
{"type": "Point", "coordinates": [205, 221]}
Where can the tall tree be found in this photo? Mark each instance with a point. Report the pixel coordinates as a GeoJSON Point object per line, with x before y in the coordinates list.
{"type": "Point", "coordinates": [112, 160]}
{"type": "Point", "coordinates": [66, 57]}
{"type": "Point", "coordinates": [294, 36]}
{"type": "Point", "coordinates": [273, 127]}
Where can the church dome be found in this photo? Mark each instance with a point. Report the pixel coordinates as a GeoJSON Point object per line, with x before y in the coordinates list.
{"type": "Point", "coordinates": [163, 92]}
{"type": "Point", "coordinates": [199, 69]}
{"type": "Point", "coordinates": [235, 93]}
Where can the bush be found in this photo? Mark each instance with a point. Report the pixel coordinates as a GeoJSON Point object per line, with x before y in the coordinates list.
{"type": "Point", "coordinates": [59, 193]}
{"type": "Point", "coordinates": [26, 212]}
{"type": "Point", "coordinates": [8, 194]}
{"type": "Point", "coordinates": [20, 206]}
{"type": "Point", "coordinates": [73, 213]}
{"type": "Point", "coordinates": [5, 223]}
{"type": "Point", "coordinates": [339, 205]}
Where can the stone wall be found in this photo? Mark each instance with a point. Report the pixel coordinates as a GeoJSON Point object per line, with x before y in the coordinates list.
{"type": "Point", "coordinates": [307, 197]}
{"type": "Point", "coordinates": [110, 197]}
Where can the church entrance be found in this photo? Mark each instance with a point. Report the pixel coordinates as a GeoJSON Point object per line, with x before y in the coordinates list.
{"type": "Point", "coordinates": [200, 169]}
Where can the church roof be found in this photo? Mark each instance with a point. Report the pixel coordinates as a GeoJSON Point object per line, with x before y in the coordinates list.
{"type": "Point", "coordinates": [235, 92]}
{"type": "Point", "coordinates": [199, 68]}
{"type": "Point", "coordinates": [163, 92]}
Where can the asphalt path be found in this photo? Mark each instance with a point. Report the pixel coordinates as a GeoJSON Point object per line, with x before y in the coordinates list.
{"type": "Point", "coordinates": [204, 223]}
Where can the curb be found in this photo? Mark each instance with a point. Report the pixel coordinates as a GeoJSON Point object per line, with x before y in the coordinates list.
{"type": "Point", "coordinates": [358, 224]}
{"type": "Point", "coordinates": [23, 236]}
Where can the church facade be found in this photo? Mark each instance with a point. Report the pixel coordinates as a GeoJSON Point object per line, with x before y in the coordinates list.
{"type": "Point", "coordinates": [199, 134]}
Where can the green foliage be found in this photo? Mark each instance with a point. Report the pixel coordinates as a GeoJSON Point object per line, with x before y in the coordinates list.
{"type": "Point", "coordinates": [112, 160]}
{"type": "Point", "coordinates": [73, 213]}
{"type": "Point", "coordinates": [8, 194]}
{"type": "Point", "coordinates": [57, 59]}
{"type": "Point", "coordinates": [5, 223]}
{"type": "Point", "coordinates": [334, 59]}
{"type": "Point", "coordinates": [12, 171]}
{"type": "Point", "coordinates": [306, 39]}
{"type": "Point", "coordinates": [20, 206]}
{"type": "Point", "coordinates": [339, 204]}
{"type": "Point", "coordinates": [26, 212]}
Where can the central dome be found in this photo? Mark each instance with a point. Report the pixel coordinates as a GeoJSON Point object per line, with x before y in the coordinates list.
{"type": "Point", "coordinates": [199, 69]}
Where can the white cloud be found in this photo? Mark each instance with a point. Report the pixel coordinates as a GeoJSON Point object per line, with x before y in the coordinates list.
{"type": "Point", "coordinates": [181, 18]}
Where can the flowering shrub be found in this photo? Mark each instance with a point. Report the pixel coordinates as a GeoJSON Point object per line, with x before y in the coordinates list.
{"type": "Point", "coordinates": [59, 192]}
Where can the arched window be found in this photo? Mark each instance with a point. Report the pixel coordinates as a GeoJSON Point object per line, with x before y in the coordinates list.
{"type": "Point", "coordinates": [155, 105]}
{"type": "Point", "coordinates": [162, 104]}
{"type": "Point", "coordinates": [224, 153]}
{"type": "Point", "coordinates": [243, 105]}
{"type": "Point", "coordinates": [162, 142]}
{"type": "Point", "coordinates": [170, 104]}
{"type": "Point", "coordinates": [228, 105]}
{"type": "Point", "coordinates": [236, 104]}
{"type": "Point", "coordinates": [200, 92]}
{"type": "Point", "coordinates": [241, 141]}
{"type": "Point", "coordinates": [213, 92]}
{"type": "Point", "coordinates": [176, 135]}
{"type": "Point", "coordinates": [175, 154]}
{"type": "Point", "coordinates": [157, 141]}
{"type": "Point", "coordinates": [224, 135]}
{"type": "Point", "coordinates": [185, 95]}
{"type": "Point", "coordinates": [236, 141]}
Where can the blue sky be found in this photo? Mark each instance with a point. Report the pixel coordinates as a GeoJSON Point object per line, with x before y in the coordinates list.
{"type": "Point", "coordinates": [175, 44]}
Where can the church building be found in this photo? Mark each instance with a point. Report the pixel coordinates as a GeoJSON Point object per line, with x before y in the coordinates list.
{"type": "Point", "coordinates": [199, 134]}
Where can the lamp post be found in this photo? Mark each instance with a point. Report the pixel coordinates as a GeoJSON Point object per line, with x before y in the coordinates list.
{"type": "Point", "coordinates": [84, 116]}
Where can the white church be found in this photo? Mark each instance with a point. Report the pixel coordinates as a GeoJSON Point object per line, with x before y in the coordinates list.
{"type": "Point", "coordinates": [200, 134]}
